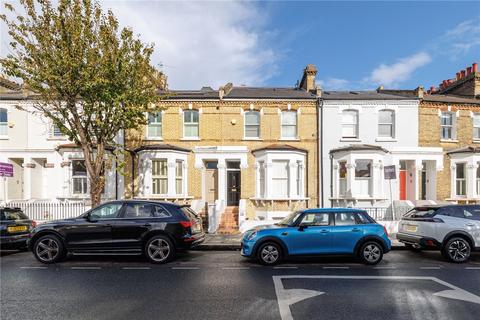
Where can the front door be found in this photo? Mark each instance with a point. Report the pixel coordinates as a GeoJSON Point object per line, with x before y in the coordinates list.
{"type": "Point", "coordinates": [211, 181]}
{"type": "Point", "coordinates": [402, 176]}
{"type": "Point", "coordinates": [233, 188]}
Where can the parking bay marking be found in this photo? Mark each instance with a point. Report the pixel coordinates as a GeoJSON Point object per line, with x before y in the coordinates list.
{"type": "Point", "coordinates": [344, 268]}
{"type": "Point", "coordinates": [185, 268]}
{"type": "Point", "coordinates": [288, 297]}
{"type": "Point", "coordinates": [430, 268]}
{"type": "Point", "coordinates": [136, 268]}
{"type": "Point", "coordinates": [33, 267]}
{"type": "Point", "coordinates": [85, 268]}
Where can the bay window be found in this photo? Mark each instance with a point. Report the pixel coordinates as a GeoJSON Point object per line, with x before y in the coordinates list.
{"type": "Point", "coordinates": [179, 177]}
{"type": "Point", "coordinates": [460, 179]}
{"type": "Point", "coordinates": [280, 178]}
{"type": "Point", "coordinates": [159, 176]}
{"type": "Point", "coordinates": [342, 178]}
{"type": "Point", "coordinates": [363, 174]}
{"type": "Point", "coordinates": [79, 178]}
{"type": "Point", "coordinates": [3, 122]}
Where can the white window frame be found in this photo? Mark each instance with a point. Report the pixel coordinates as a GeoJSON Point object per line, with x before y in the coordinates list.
{"type": "Point", "coordinates": [477, 180]}
{"type": "Point", "coordinates": [83, 178]}
{"type": "Point", "coordinates": [390, 124]}
{"type": "Point", "coordinates": [461, 180]}
{"type": "Point", "coordinates": [257, 125]}
{"type": "Point", "coordinates": [277, 180]}
{"type": "Point", "coordinates": [342, 181]}
{"type": "Point", "coordinates": [156, 124]}
{"type": "Point", "coordinates": [476, 128]}
{"type": "Point", "coordinates": [159, 177]}
{"type": "Point", "coordinates": [344, 123]}
{"type": "Point", "coordinates": [451, 126]}
{"type": "Point", "coordinates": [261, 179]}
{"type": "Point", "coordinates": [191, 123]}
{"type": "Point", "coordinates": [282, 133]}
{"type": "Point", "coordinates": [179, 164]}
{"type": "Point", "coordinates": [4, 124]}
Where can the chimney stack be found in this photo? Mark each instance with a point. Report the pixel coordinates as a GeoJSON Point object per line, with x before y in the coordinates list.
{"type": "Point", "coordinates": [469, 71]}
{"type": "Point", "coordinates": [474, 67]}
{"type": "Point", "coordinates": [463, 73]}
{"type": "Point", "coordinates": [419, 92]}
{"type": "Point", "coordinates": [308, 79]}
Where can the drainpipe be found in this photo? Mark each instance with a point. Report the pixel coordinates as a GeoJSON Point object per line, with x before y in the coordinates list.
{"type": "Point", "coordinates": [132, 155]}
{"type": "Point", "coordinates": [331, 180]}
{"type": "Point", "coordinates": [320, 150]}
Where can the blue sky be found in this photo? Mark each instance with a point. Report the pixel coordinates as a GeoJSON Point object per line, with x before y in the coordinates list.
{"type": "Point", "coordinates": [355, 45]}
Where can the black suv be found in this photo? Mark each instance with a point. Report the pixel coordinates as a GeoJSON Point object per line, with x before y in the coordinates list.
{"type": "Point", "coordinates": [14, 228]}
{"type": "Point", "coordinates": [155, 229]}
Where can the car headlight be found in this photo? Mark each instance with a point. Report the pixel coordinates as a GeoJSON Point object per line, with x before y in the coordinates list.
{"type": "Point", "coordinates": [252, 235]}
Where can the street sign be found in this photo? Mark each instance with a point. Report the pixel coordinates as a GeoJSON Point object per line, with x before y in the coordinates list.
{"type": "Point", "coordinates": [389, 173]}
{"type": "Point", "coordinates": [6, 169]}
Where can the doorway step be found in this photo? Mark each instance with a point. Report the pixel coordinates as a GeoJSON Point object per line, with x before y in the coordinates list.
{"type": "Point", "coordinates": [229, 221]}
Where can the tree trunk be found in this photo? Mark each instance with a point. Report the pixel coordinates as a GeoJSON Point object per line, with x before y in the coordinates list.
{"type": "Point", "coordinates": [97, 185]}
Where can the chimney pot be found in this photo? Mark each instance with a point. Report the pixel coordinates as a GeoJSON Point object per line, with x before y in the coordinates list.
{"type": "Point", "coordinates": [469, 70]}
{"type": "Point", "coordinates": [463, 73]}
{"type": "Point", "coordinates": [432, 89]}
{"type": "Point", "coordinates": [458, 76]}
{"type": "Point", "coordinates": [475, 67]}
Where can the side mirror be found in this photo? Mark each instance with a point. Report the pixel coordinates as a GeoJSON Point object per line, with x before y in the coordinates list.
{"type": "Point", "coordinates": [91, 218]}
{"type": "Point", "coordinates": [302, 227]}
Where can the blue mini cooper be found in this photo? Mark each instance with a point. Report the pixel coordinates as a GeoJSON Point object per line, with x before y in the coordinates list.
{"type": "Point", "coordinates": [312, 232]}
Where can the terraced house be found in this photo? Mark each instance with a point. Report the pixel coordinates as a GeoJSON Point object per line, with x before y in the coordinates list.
{"type": "Point", "coordinates": [449, 117]}
{"type": "Point", "coordinates": [247, 155]}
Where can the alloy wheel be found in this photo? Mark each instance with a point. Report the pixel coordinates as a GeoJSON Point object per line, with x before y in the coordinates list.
{"type": "Point", "coordinates": [372, 253]}
{"type": "Point", "coordinates": [47, 249]}
{"type": "Point", "coordinates": [458, 250]}
{"type": "Point", "coordinates": [159, 250]}
{"type": "Point", "coordinates": [269, 254]}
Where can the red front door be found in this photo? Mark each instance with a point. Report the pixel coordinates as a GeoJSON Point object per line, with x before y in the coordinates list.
{"type": "Point", "coordinates": [403, 184]}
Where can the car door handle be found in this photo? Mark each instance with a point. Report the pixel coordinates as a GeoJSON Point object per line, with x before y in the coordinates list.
{"type": "Point", "coordinates": [470, 224]}
{"type": "Point", "coordinates": [355, 230]}
{"type": "Point", "coordinates": [324, 231]}
{"type": "Point", "coordinates": [284, 233]}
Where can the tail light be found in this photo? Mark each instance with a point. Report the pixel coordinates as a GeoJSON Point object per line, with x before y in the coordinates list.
{"type": "Point", "coordinates": [186, 224]}
{"type": "Point", "coordinates": [385, 229]}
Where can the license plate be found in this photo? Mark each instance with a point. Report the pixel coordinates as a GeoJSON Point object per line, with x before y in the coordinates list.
{"type": "Point", "coordinates": [410, 228]}
{"type": "Point", "coordinates": [17, 229]}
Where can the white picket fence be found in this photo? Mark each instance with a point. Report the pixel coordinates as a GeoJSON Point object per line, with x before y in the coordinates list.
{"type": "Point", "coordinates": [47, 210]}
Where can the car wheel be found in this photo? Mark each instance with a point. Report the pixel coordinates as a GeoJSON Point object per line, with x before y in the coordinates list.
{"type": "Point", "coordinates": [159, 249]}
{"type": "Point", "coordinates": [371, 252]}
{"type": "Point", "coordinates": [49, 249]}
{"type": "Point", "coordinates": [457, 250]}
{"type": "Point", "coordinates": [270, 253]}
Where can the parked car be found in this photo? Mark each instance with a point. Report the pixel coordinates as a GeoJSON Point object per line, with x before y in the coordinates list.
{"type": "Point", "coordinates": [452, 229]}
{"type": "Point", "coordinates": [155, 229]}
{"type": "Point", "coordinates": [14, 228]}
{"type": "Point", "coordinates": [312, 232]}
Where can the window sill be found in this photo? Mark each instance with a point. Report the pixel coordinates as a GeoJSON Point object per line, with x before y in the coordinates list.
{"type": "Point", "coordinates": [190, 139]}
{"type": "Point", "coordinates": [350, 140]}
{"type": "Point", "coordinates": [57, 138]}
{"type": "Point", "coordinates": [474, 141]}
{"type": "Point", "coordinates": [153, 139]}
{"type": "Point", "coordinates": [386, 140]}
{"type": "Point", "coordinates": [449, 140]}
{"type": "Point", "coordinates": [280, 199]}
{"type": "Point", "coordinates": [4, 138]}
{"type": "Point", "coordinates": [289, 139]}
{"type": "Point", "coordinates": [256, 139]}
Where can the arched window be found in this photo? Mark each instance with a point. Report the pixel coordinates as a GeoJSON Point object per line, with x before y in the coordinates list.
{"type": "Point", "coordinates": [3, 122]}
{"type": "Point", "coordinates": [350, 124]}
{"type": "Point", "coordinates": [252, 124]}
{"type": "Point", "coordinates": [190, 124]}
{"type": "Point", "coordinates": [386, 123]}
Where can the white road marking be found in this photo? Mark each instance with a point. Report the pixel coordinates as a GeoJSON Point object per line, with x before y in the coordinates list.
{"type": "Point", "coordinates": [235, 268]}
{"type": "Point", "coordinates": [472, 268]}
{"type": "Point", "coordinates": [33, 267]}
{"type": "Point", "coordinates": [136, 268]}
{"type": "Point", "coordinates": [384, 267]}
{"type": "Point", "coordinates": [288, 297]}
{"type": "Point", "coordinates": [336, 267]}
{"type": "Point", "coordinates": [85, 268]}
{"type": "Point", "coordinates": [430, 268]}
{"type": "Point", "coordinates": [285, 267]}
{"type": "Point", "coordinates": [185, 268]}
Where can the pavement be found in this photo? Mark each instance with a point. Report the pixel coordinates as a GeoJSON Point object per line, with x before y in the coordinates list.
{"type": "Point", "coordinates": [224, 285]}
{"type": "Point", "coordinates": [215, 242]}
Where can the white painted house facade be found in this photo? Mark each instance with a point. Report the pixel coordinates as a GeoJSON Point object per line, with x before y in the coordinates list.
{"type": "Point", "coordinates": [46, 165]}
{"type": "Point", "coordinates": [362, 133]}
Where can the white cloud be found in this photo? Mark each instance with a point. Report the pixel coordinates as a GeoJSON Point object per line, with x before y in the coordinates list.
{"type": "Point", "coordinates": [393, 74]}
{"type": "Point", "coordinates": [202, 43]}
{"type": "Point", "coordinates": [334, 84]}
{"type": "Point", "coordinates": [199, 43]}
{"type": "Point", "coordinates": [458, 40]}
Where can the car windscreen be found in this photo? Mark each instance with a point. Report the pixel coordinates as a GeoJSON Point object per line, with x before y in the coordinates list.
{"type": "Point", "coordinates": [290, 219]}
{"type": "Point", "coordinates": [421, 213]}
{"type": "Point", "coordinates": [12, 215]}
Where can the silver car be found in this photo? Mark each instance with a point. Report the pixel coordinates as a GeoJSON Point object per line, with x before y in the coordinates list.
{"type": "Point", "coordinates": [453, 229]}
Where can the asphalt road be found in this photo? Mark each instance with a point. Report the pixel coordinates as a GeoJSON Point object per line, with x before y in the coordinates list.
{"type": "Point", "coordinates": [223, 285]}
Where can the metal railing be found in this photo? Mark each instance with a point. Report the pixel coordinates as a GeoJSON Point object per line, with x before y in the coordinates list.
{"type": "Point", "coordinates": [386, 213]}
{"type": "Point", "coordinates": [42, 211]}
